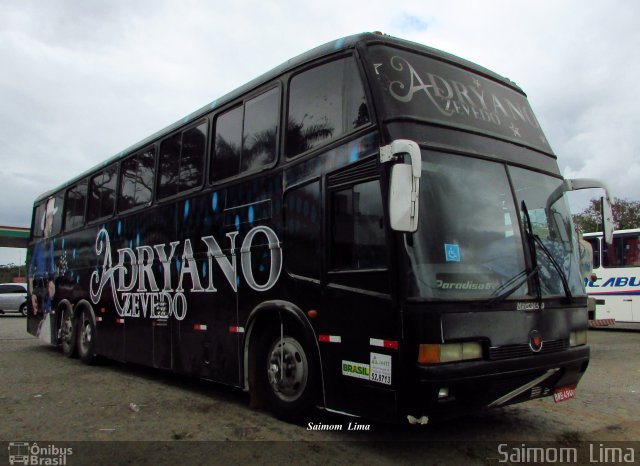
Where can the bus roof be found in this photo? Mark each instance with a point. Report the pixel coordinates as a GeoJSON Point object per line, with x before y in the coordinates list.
{"type": "Point", "coordinates": [616, 232]}
{"type": "Point", "coordinates": [327, 49]}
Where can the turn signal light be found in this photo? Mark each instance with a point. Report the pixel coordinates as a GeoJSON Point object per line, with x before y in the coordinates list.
{"type": "Point", "coordinates": [449, 352]}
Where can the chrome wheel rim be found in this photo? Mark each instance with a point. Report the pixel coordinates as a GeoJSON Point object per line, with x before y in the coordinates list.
{"type": "Point", "coordinates": [66, 327]}
{"type": "Point", "coordinates": [86, 336]}
{"type": "Point", "coordinates": [287, 369]}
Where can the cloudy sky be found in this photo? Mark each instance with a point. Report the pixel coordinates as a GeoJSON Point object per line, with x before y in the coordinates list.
{"type": "Point", "coordinates": [82, 80]}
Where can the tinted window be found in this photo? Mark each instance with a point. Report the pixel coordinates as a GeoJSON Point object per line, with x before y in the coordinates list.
{"type": "Point", "coordinates": [595, 245]}
{"type": "Point", "coordinates": [74, 206]}
{"type": "Point", "coordinates": [228, 143]}
{"type": "Point", "coordinates": [324, 103]}
{"type": "Point", "coordinates": [102, 194]}
{"type": "Point", "coordinates": [56, 211]}
{"type": "Point", "coordinates": [246, 136]}
{"type": "Point", "coordinates": [47, 217]}
{"type": "Point", "coordinates": [136, 185]}
{"type": "Point", "coordinates": [357, 240]}
{"type": "Point", "coordinates": [182, 161]}
{"type": "Point", "coordinates": [625, 252]}
{"type": "Point", "coordinates": [302, 235]}
{"type": "Point", "coordinates": [38, 221]}
{"type": "Point", "coordinates": [260, 130]}
{"type": "Point", "coordinates": [194, 145]}
{"type": "Point", "coordinates": [169, 166]}
{"type": "Point", "coordinates": [4, 289]}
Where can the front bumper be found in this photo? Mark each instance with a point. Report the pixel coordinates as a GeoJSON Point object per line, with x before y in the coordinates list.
{"type": "Point", "coordinates": [457, 389]}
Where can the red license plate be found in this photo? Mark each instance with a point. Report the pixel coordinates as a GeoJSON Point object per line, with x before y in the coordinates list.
{"type": "Point", "coordinates": [564, 393]}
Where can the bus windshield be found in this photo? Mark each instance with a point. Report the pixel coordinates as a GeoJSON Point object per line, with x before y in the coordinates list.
{"type": "Point", "coordinates": [469, 242]}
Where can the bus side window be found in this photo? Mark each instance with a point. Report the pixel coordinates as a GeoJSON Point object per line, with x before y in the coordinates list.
{"type": "Point", "coordinates": [260, 131]}
{"type": "Point", "coordinates": [595, 245]}
{"type": "Point", "coordinates": [627, 250]}
{"type": "Point", "coordinates": [228, 142]}
{"type": "Point", "coordinates": [194, 145]}
{"type": "Point", "coordinates": [56, 226]}
{"type": "Point", "coordinates": [74, 205]}
{"type": "Point", "coordinates": [246, 136]}
{"type": "Point", "coordinates": [182, 161]}
{"type": "Point", "coordinates": [624, 252]}
{"type": "Point", "coordinates": [102, 194]}
{"type": "Point", "coordinates": [136, 182]}
{"type": "Point", "coordinates": [38, 221]}
{"type": "Point", "coordinates": [302, 235]}
{"type": "Point", "coordinates": [357, 228]}
{"type": "Point", "coordinates": [324, 103]}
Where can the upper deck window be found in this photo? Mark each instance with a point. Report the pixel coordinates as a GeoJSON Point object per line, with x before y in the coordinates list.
{"type": "Point", "coordinates": [324, 103]}
{"type": "Point", "coordinates": [246, 136]}
{"type": "Point", "coordinates": [414, 86]}
{"type": "Point", "coordinates": [47, 219]}
{"type": "Point", "coordinates": [102, 194]}
{"type": "Point", "coordinates": [74, 205]}
{"type": "Point", "coordinates": [182, 161]}
{"type": "Point", "coordinates": [136, 183]}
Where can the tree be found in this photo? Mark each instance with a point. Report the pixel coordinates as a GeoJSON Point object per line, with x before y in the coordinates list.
{"type": "Point", "coordinates": [9, 271]}
{"type": "Point", "coordinates": [626, 215]}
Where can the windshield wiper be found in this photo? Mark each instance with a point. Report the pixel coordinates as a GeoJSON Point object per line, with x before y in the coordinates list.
{"type": "Point", "coordinates": [532, 241]}
{"type": "Point", "coordinates": [563, 277]}
{"type": "Point", "coordinates": [510, 286]}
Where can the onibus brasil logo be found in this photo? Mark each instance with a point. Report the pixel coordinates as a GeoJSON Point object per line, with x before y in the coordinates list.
{"type": "Point", "coordinates": [34, 454]}
{"type": "Point", "coordinates": [137, 292]}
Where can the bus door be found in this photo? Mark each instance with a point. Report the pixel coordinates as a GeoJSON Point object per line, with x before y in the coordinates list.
{"type": "Point", "coordinates": [356, 307]}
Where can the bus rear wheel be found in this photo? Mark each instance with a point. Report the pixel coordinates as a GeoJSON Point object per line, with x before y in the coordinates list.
{"type": "Point", "coordinates": [86, 338]}
{"type": "Point", "coordinates": [284, 373]}
{"type": "Point", "coordinates": [67, 332]}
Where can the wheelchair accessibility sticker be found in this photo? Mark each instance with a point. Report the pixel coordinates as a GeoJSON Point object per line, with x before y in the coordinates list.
{"type": "Point", "coordinates": [452, 252]}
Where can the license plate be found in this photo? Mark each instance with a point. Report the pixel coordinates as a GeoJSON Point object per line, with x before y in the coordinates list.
{"type": "Point", "coordinates": [564, 393]}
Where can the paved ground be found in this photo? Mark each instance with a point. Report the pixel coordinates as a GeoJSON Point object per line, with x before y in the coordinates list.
{"type": "Point", "coordinates": [45, 398]}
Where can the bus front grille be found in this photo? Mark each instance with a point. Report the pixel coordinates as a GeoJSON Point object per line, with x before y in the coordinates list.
{"type": "Point", "coordinates": [518, 351]}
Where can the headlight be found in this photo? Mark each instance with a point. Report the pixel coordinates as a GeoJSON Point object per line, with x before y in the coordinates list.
{"type": "Point", "coordinates": [449, 352]}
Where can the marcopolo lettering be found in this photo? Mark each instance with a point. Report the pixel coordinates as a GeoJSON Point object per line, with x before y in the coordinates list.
{"type": "Point", "coordinates": [138, 292]}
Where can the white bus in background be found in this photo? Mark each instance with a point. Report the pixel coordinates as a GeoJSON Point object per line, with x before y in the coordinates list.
{"type": "Point", "coordinates": [617, 268]}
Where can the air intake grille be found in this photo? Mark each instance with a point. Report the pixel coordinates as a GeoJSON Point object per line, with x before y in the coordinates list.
{"type": "Point", "coordinates": [358, 173]}
{"type": "Point", "coordinates": [519, 351]}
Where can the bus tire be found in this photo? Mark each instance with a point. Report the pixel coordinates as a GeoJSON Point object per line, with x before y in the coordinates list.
{"type": "Point", "coordinates": [68, 331]}
{"type": "Point", "coordinates": [86, 338]}
{"type": "Point", "coordinates": [289, 393]}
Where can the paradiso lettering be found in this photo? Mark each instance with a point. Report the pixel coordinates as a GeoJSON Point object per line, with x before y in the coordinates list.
{"type": "Point", "coordinates": [137, 293]}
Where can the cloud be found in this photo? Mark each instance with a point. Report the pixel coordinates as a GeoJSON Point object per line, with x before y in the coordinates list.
{"type": "Point", "coordinates": [409, 23]}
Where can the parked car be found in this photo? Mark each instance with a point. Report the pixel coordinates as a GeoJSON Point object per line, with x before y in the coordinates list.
{"type": "Point", "coordinates": [13, 298]}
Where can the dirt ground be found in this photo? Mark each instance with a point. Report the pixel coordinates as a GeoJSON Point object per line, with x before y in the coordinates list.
{"type": "Point", "coordinates": [47, 398]}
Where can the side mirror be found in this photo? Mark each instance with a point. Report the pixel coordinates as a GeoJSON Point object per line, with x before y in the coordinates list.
{"type": "Point", "coordinates": [586, 183]}
{"type": "Point", "coordinates": [404, 188]}
{"type": "Point", "coordinates": [403, 208]}
{"type": "Point", "coordinates": [607, 219]}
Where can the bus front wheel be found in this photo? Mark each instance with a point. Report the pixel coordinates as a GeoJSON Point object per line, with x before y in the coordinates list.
{"type": "Point", "coordinates": [284, 372]}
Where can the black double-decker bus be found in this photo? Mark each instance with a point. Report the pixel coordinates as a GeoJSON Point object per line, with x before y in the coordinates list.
{"type": "Point", "coordinates": [375, 228]}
